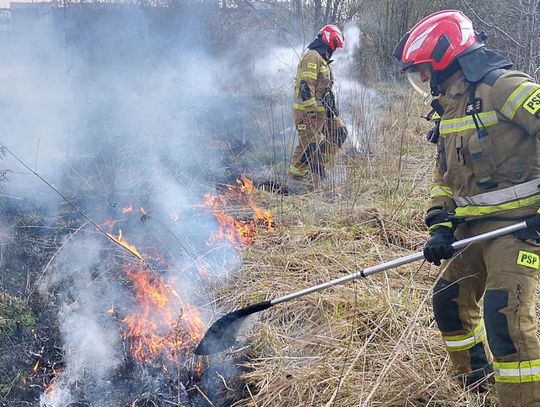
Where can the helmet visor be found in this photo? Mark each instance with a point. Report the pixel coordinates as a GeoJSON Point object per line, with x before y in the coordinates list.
{"type": "Point", "coordinates": [423, 88]}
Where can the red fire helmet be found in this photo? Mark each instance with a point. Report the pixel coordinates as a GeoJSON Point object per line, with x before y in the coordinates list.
{"type": "Point", "coordinates": [437, 39]}
{"type": "Point", "coordinates": [332, 36]}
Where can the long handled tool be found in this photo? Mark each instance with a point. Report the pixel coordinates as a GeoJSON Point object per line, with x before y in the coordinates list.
{"type": "Point", "coordinates": [222, 334]}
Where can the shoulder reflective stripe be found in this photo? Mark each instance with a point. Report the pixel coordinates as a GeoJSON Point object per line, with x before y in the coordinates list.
{"type": "Point", "coordinates": [440, 190]}
{"type": "Point", "coordinates": [308, 102]}
{"type": "Point", "coordinates": [485, 210]}
{"type": "Point", "coordinates": [301, 127]}
{"type": "Point", "coordinates": [324, 69]}
{"type": "Point", "coordinates": [440, 225]}
{"type": "Point", "coordinates": [312, 65]}
{"type": "Point", "coordinates": [532, 104]}
{"type": "Point", "coordinates": [520, 191]}
{"type": "Point", "coordinates": [517, 98]}
{"type": "Point", "coordinates": [463, 342]}
{"type": "Point", "coordinates": [307, 75]}
{"type": "Point", "coordinates": [517, 372]}
{"type": "Point", "coordinates": [467, 123]}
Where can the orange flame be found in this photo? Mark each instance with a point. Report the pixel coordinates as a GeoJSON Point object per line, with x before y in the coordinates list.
{"type": "Point", "coordinates": [197, 374]}
{"type": "Point", "coordinates": [155, 328]}
{"type": "Point", "coordinates": [127, 209]}
{"type": "Point", "coordinates": [110, 311]}
{"type": "Point", "coordinates": [50, 388]}
{"type": "Point", "coordinates": [36, 366]}
{"type": "Point", "coordinates": [238, 232]}
{"type": "Point", "coordinates": [123, 242]}
{"type": "Point", "coordinates": [143, 211]}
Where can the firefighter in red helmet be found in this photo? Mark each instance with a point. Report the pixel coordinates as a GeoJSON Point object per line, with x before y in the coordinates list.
{"type": "Point", "coordinates": [487, 176]}
{"type": "Point", "coordinates": [321, 132]}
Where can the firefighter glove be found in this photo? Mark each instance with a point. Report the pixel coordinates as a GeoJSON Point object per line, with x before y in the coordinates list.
{"type": "Point", "coordinates": [534, 221]}
{"type": "Point", "coordinates": [439, 245]}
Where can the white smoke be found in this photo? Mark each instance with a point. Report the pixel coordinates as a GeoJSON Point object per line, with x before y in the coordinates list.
{"type": "Point", "coordinates": [79, 278]}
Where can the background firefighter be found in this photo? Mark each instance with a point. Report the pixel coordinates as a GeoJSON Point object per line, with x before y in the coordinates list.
{"type": "Point", "coordinates": [321, 132]}
{"type": "Point", "coordinates": [487, 175]}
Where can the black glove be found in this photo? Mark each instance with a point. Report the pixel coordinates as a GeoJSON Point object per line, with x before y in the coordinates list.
{"type": "Point", "coordinates": [439, 245]}
{"type": "Point", "coordinates": [534, 221]}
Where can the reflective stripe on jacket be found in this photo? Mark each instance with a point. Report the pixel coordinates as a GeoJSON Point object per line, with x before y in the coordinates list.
{"type": "Point", "coordinates": [497, 169]}
{"type": "Point", "coordinates": [314, 70]}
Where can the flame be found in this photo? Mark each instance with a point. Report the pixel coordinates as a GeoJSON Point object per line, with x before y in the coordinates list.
{"type": "Point", "coordinates": [127, 209]}
{"type": "Point", "coordinates": [36, 367]}
{"type": "Point", "coordinates": [156, 328]}
{"type": "Point", "coordinates": [143, 211]}
{"type": "Point", "coordinates": [133, 404]}
{"type": "Point", "coordinates": [197, 373]}
{"type": "Point", "coordinates": [110, 311]}
{"type": "Point", "coordinates": [50, 388]}
{"type": "Point", "coordinates": [239, 232]}
{"type": "Point", "coordinates": [123, 242]}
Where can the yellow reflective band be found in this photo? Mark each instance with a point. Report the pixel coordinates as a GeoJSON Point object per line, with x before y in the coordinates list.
{"type": "Point", "coordinates": [309, 102]}
{"type": "Point", "coordinates": [527, 259]}
{"type": "Point", "coordinates": [301, 127]}
{"type": "Point", "coordinates": [532, 105]}
{"type": "Point", "coordinates": [438, 225]}
{"type": "Point", "coordinates": [488, 209]}
{"type": "Point", "coordinates": [457, 343]}
{"type": "Point", "coordinates": [525, 371]}
{"type": "Point", "coordinates": [312, 65]}
{"type": "Point", "coordinates": [320, 109]}
{"type": "Point", "coordinates": [467, 123]}
{"type": "Point", "coordinates": [440, 190]}
{"type": "Point", "coordinates": [324, 69]}
{"type": "Point", "coordinates": [436, 116]}
{"type": "Point", "coordinates": [517, 98]}
{"type": "Point", "coordinates": [307, 75]}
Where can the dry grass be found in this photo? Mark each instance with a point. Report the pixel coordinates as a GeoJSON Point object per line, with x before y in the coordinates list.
{"type": "Point", "coordinates": [373, 342]}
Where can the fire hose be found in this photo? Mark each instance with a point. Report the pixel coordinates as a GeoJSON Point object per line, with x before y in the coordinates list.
{"type": "Point", "coordinates": [222, 334]}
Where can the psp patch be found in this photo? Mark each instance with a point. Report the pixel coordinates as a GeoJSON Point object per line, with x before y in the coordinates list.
{"type": "Point", "coordinates": [532, 104]}
{"type": "Point", "coordinates": [528, 259]}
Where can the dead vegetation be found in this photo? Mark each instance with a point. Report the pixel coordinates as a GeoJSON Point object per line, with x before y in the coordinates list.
{"type": "Point", "coordinates": [373, 342]}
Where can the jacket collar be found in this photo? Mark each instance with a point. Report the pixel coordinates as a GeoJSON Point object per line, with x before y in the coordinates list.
{"type": "Point", "coordinates": [457, 89]}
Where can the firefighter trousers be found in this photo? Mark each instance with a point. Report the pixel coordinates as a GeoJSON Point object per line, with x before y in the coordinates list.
{"type": "Point", "coordinates": [318, 142]}
{"type": "Point", "coordinates": [504, 272]}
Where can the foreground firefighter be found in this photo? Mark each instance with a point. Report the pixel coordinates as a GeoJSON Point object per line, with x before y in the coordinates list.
{"type": "Point", "coordinates": [321, 132]}
{"type": "Point", "coordinates": [487, 175]}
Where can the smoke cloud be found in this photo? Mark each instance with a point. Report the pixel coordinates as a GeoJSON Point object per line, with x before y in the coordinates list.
{"type": "Point", "coordinates": [121, 106]}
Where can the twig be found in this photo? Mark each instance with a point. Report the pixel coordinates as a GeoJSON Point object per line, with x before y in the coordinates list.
{"type": "Point", "coordinates": [84, 215]}
{"type": "Point", "coordinates": [54, 256]}
{"type": "Point", "coordinates": [204, 395]}
{"type": "Point", "coordinates": [224, 381]}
